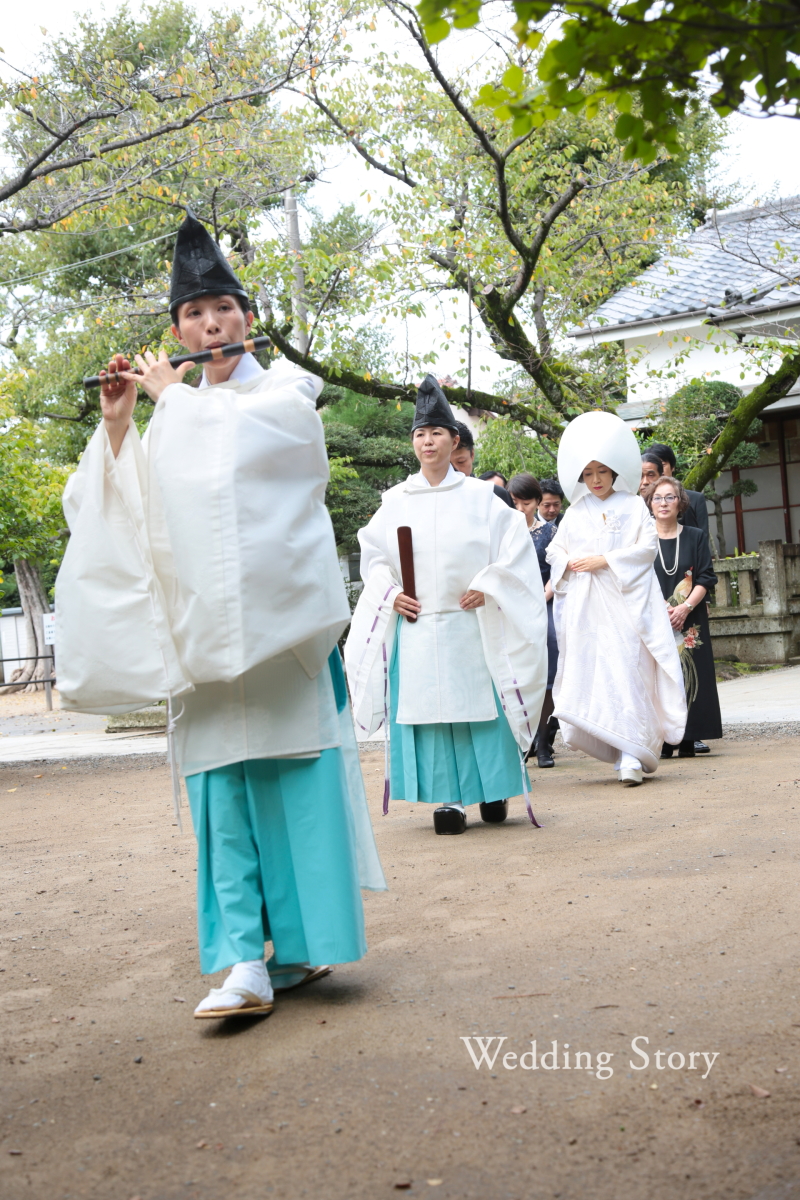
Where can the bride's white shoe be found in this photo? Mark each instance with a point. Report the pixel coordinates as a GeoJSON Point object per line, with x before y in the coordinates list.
{"type": "Point", "coordinates": [630, 770]}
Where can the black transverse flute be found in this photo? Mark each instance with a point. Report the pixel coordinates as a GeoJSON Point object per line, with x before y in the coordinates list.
{"type": "Point", "coordinates": [202, 356]}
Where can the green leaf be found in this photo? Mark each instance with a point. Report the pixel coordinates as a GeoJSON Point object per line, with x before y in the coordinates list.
{"type": "Point", "coordinates": [437, 31]}
{"type": "Point", "coordinates": [514, 79]}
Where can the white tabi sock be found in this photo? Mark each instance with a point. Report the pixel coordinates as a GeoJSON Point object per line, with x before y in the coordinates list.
{"type": "Point", "coordinates": [246, 979]}
{"type": "Point", "coordinates": [627, 762]}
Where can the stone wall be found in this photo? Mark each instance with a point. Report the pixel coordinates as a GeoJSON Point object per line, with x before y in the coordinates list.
{"type": "Point", "coordinates": [755, 613]}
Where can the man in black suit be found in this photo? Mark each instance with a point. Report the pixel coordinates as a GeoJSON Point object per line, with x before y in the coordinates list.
{"type": "Point", "coordinates": [552, 501]}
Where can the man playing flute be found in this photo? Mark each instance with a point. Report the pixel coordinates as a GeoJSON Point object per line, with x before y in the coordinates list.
{"type": "Point", "coordinates": [202, 569]}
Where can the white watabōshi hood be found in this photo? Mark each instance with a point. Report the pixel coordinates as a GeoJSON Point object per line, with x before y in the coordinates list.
{"type": "Point", "coordinates": [600, 437]}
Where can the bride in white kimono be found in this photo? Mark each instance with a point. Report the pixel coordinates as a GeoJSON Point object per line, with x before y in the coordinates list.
{"type": "Point", "coordinates": [458, 674]}
{"type": "Point", "coordinates": [618, 691]}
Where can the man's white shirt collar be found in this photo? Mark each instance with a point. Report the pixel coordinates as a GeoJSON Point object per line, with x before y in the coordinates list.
{"type": "Point", "coordinates": [246, 369]}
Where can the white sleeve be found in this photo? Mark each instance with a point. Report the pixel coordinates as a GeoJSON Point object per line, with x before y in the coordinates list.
{"type": "Point", "coordinates": [370, 641]}
{"type": "Point", "coordinates": [557, 554]}
{"type": "Point", "coordinates": [633, 565]}
{"type": "Point", "coordinates": [115, 648]}
{"type": "Point", "coordinates": [513, 624]}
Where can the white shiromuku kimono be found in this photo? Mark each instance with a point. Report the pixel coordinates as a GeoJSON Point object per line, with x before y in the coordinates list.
{"type": "Point", "coordinates": [619, 685]}
{"type": "Point", "coordinates": [464, 538]}
{"type": "Point", "coordinates": [202, 569]}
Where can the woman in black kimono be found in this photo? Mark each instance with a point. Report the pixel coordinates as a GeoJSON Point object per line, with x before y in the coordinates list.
{"type": "Point", "coordinates": [527, 496]}
{"type": "Point", "coordinates": [684, 571]}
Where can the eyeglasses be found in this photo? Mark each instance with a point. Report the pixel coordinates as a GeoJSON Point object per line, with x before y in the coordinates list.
{"type": "Point", "coordinates": [664, 499]}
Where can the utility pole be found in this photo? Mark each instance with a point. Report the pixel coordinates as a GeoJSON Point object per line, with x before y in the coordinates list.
{"type": "Point", "coordinates": [299, 309]}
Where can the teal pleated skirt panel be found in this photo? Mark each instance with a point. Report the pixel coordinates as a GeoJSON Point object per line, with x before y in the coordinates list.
{"type": "Point", "coordinates": [469, 762]}
{"type": "Point", "coordinates": [276, 862]}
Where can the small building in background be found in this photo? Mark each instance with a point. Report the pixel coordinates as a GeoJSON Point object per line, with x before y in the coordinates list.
{"type": "Point", "coordinates": [690, 316]}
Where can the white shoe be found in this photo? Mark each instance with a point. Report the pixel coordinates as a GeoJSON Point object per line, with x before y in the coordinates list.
{"type": "Point", "coordinates": [630, 776]}
{"type": "Point", "coordinates": [246, 992]}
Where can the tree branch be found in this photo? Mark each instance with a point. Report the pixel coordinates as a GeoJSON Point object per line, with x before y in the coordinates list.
{"type": "Point", "coordinates": [35, 169]}
{"type": "Point", "coordinates": [393, 391]}
{"type": "Point", "coordinates": [774, 387]}
{"type": "Point", "coordinates": [337, 274]}
{"type": "Point", "coordinates": [402, 177]}
{"type": "Point", "coordinates": [542, 332]}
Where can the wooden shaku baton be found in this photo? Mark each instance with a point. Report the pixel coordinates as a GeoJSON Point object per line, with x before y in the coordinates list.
{"type": "Point", "coordinates": [406, 545]}
{"type": "Point", "coordinates": [203, 356]}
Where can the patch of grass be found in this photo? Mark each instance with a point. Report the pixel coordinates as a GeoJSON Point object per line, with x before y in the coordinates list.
{"type": "Point", "coordinates": [735, 670]}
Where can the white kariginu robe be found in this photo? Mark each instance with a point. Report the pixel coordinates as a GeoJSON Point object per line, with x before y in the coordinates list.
{"type": "Point", "coordinates": [464, 538]}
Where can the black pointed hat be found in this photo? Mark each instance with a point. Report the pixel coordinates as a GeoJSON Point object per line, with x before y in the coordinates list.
{"type": "Point", "coordinates": [199, 268]}
{"type": "Point", "coordinates": [432, 407]}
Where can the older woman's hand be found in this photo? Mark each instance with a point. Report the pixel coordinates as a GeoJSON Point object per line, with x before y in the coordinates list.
{"type": "Point", "coordinates": [677, 615]}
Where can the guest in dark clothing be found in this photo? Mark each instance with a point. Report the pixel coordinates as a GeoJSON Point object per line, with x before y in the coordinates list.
{"type": "Point", "coordinates": [494, 477]}
{"type": "Point", "coordinates": [504, 495]}
{"type": "Point", "coordinates": [697, 513]}
{"type": "Point", "coordinates": [551, 507]}
{"type": "Point", "coordinates": [684, 570]}
{"type": "Point", "coordinates": [652, 470]}
{"type": "Point", "coordinates": [527, 495]}
{"type": "Point", "coordinates": [463, 459]}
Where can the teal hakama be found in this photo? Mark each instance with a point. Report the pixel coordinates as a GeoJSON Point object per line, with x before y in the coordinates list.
{"type": "Point", "coordinates": [277, 860]}
{"type": "Point", "coordinates": [475, 762]}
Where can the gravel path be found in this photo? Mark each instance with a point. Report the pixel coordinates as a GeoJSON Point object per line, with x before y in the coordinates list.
{"type": "Point", "coordinates": [667, 913]}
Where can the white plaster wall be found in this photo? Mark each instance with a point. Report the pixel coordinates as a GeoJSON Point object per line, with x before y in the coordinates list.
{"type": "Point", "coordinates": [701, 352]}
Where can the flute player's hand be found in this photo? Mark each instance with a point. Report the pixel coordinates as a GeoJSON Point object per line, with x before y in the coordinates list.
{"type": "Point", "coordinates": [157, 373]}
{"type": "Point", "coordinates": [117, 401]}
{"type": "Point", "coordinates": [407, 607]}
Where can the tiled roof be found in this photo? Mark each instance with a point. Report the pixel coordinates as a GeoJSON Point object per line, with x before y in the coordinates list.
{"type": "Point", "coordinates": [731, 263]}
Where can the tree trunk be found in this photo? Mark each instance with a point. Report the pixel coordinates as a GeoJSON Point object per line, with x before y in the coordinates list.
{"type": "Point", "coordinates": [716, 500]}
{"type": "Point", "coordinates": [774, 387]}
{"type": "Point", "coordinates": [34, 604]}
{"type": "Point", "coordinates": [299, 307]}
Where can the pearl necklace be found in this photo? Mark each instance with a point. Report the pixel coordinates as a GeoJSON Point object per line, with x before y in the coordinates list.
{"type": "Point", "coordinates": [677, 554]}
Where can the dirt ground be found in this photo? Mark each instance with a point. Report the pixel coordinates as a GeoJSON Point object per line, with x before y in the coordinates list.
{"type": "Point", "coordinates": [360, 1086]}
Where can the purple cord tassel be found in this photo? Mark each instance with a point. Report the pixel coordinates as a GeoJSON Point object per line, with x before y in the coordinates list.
{"type": "Point", "coordinates": [533, 820]}
{"type": "Point", "coordinates": [386, 732]}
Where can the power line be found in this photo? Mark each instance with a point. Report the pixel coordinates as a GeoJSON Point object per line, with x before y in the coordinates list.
{"type": "Point", "coordinates": [85, 262]}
